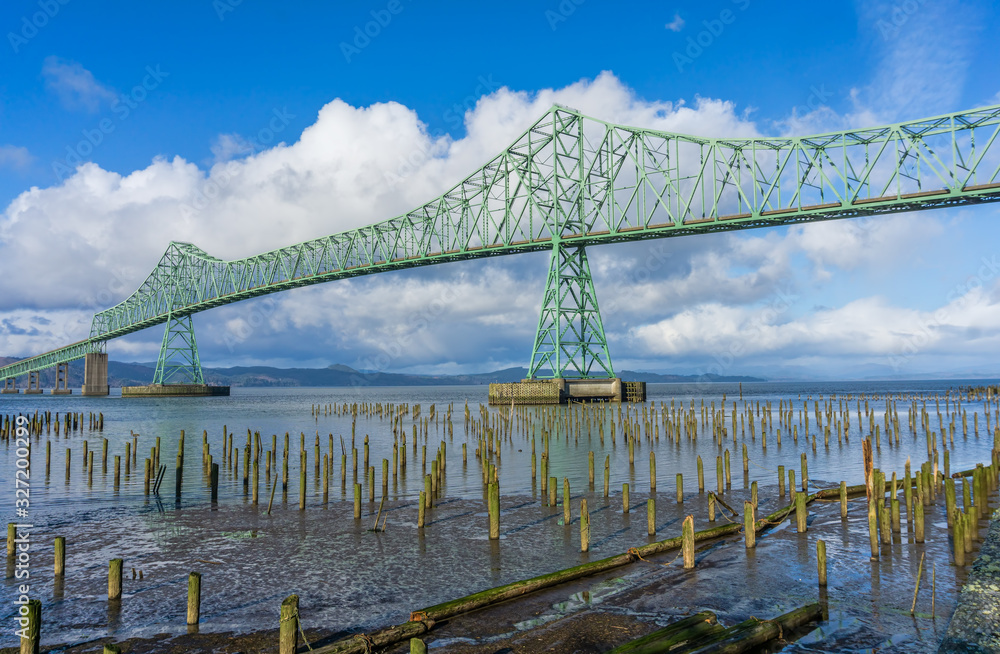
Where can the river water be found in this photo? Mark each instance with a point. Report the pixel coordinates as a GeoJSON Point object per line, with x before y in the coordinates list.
{"type": "Point", "coordinates": [349, 577]}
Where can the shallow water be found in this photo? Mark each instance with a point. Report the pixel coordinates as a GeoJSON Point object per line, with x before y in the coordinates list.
{"type": "Point", "coordinates": [348, 577]}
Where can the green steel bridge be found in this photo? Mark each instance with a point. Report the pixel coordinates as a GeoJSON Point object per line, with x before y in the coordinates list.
{"type": "Point", "coordinates": [568, 182]}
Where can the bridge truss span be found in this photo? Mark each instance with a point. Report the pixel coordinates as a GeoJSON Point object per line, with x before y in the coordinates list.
{"type": "Point", "coordinates": [571, 181]}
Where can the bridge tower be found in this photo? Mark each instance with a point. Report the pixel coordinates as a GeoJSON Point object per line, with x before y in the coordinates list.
{"type": "Point", "coordinates": [570, 341]}
{"type": "Point", "coordinates": [179, 362]}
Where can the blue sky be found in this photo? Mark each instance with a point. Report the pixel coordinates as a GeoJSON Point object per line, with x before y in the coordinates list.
{"type": "Point", "coordinates": [113, 122]}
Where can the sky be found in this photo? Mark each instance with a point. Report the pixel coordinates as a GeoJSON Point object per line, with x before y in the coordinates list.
{"type": "Point", "coordinates": [245, 126]}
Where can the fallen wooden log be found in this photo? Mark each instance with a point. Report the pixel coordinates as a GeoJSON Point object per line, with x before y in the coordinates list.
{"type": "Point", "coordinates": [677, 634]}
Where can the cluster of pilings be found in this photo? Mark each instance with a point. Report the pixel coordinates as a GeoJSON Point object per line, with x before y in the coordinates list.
{"type": "Point", "coordinates": [249, 461]}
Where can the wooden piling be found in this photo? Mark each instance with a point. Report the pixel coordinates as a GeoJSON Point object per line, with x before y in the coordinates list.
{"type": "Point", "coordinates": [958, 538]}
{"type": "Point", "coordinates": [288, 631]}
{"type": "Point", "coordinates": [701, 475]}
{"type": "Point", "coordinates": [651, 516]}
{"type": "Point", "coordinates": [302, 481]}
{"type": "Point", "coordinates": [607, 474]}
{"type": "Point", "coordinates": [494, 510]}
{"type": "Point", "coordinates": [357, 501]}
{"type": "Point", "coordinates": [115, 579]}
{"type": "Point", "coordinates": [422, 510]}
{"type": "Point", "coordinates": [567, 517]}
{"type": "Point", "coordinates": [687, 542]}
{"type": "Point", "coordinates": [843, 499]}
{"type": "Point", "coordinates": [749, 522]}
{"type": "Point", "coordinates": [584, 526]}
{"type": "Point", "coordinates": [680, 488]}
{"type": "Point", "coordinates": [918, 534]}
{"type": "Point", "coordinates": [821, 561]}
{"type": "Point", "coordinates": [60, 556]}
{"type": "Point", "coordinates": [625, 501]}
{"type": "Point", "coordinates": [31, 643]}
{"type": "Point", "coordinates": [194, 598]}
{"type": "Point", "coordinates": [801, 513]}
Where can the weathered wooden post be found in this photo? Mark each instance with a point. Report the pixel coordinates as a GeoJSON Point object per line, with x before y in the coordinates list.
{"type": "Point", "coordinates": [115, 579]}
{"type": "Point", "coordinates": [214, 482]}
{"type": "Point", "coordinates": [194, 598]}
{"type": "Point", "coordinates": [288, 631]}
{"type": "Point", "coordinates": [60, 558]}
{"type": "Point", "coordinates": [680, 488]}
{"type": "Point", "coordinates": [749, 525]}
{"type": "Point", "coordinates": [801, 512]}
{"type": "Point", "coordinates": [821, 561]}
{"type": "Point", "coordinates": [873, 528]}
{"type": "Point", "coordinates": [651, 516]}
{"type": "Point", "coordinates": [687, 542]}
{"type": "Point", "coordinates": [567, 517]}
{"type": "Point", "coordinates": [584, 526]}
{"type": "Point", "coordinates": [625, 501]}
{"type": "Point", "coordinates": [30, 644]}
{"type": "Point", "coordinates": [958, 538]}
{"type": "Point", "coordinates": [494, 510]}
{"type": "Point", "coordinates": [918, 534]}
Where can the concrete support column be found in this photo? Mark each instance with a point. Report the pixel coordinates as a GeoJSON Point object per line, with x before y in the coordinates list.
{"type": "Point", "coordinates": [9, 386]}
{"type": "Point", "coordinates": [62, 380]}
{"type": "Point", "coordinates": [95, 374]}
{"type": "Point", "coordinates": [34, 385]}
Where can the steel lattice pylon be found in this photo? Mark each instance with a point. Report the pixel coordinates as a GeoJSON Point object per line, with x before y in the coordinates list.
{"type": "Point", "coordinates": [178, 362]}
{"type": "Point", "coordinates": [570, 341]}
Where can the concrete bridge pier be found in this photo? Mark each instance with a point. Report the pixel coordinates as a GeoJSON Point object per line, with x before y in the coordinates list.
{"type": "Point", "coordinates": [95, 374]}
{"type": "Point", "coordinates": [9, 386]}
{"type": "Point", "coordinates": [62, 380]}
{"type": "Point", "coordinates": [34, 385]}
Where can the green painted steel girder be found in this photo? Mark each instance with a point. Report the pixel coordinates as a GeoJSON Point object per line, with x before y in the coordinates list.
{"type": "Point", "coordinates": [570, 340]}
{"type": "Point", "coordinates": [178, 362]}
{"type": "Point", "coordinates": [580, 181]}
